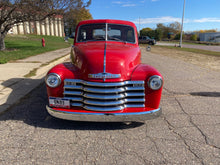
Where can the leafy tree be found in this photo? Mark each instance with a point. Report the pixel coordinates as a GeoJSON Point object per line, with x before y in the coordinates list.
{"type": "Point", "coordinates": [194, 37]}
{"type": "Point", "coordinates": [164, 29]}
{"type": "Point", "coordinates": [172, 28]}
{"type": "Point", "coordinates": [74, 16]}
{"type": "Point", "coordinates": [18, 11]}
{"type": "Point", "coordinates": [208, 31]}
{"type": "Point", "coordinates": [145, 31]}
{"type": "Point", "coordinates": [156, 34]}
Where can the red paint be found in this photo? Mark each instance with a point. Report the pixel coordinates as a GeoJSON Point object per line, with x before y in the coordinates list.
{"type": "Point", "coordinates": [121, 58]}
{"type": "Point", "coordinates": [43, 42]}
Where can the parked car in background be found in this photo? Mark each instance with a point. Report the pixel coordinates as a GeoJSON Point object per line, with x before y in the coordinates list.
{"type": "Point", "coordinates": [105, 80]}
{"type": "Point", "coordinates": [146, 40]}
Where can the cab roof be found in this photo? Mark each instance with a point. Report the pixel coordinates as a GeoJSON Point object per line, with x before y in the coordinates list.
{"type": "Point", "coordinates": [107, 21]}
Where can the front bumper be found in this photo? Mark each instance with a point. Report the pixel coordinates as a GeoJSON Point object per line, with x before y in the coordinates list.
{"type": "Point", "coordinates": [105, 117]}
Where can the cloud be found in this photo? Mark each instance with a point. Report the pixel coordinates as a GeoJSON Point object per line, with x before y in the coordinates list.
{"type": "Point", "coordinates": [124, 4]}
{"type": "Point", "coordinates": [169, 19]}
{"type": "Point", "coordinates": [118, 2]}
{"type": "Point", "coordinates": [129, 5]}
{"type": "Point", "coordinates": [166, 19]}
{"type": "Point", "coordinates": [203, 20]}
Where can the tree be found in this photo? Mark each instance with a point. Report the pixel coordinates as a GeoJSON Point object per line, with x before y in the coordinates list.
{"type": "Point", "coordinates": [145, 31]}
{"type": "Point", "coordinates": [208, 31]}
{"type": "Point", "coordinates": [74, 16]}
{"type": "Point", "coordinates": [18, 11]}
{"type": "Point", "coordinates": [194, 37]}
{"type": "Point", "coordinates": [156, 34]}
{"type": "Point", "coordinates": [175, 27]}
{"type": "Point", "coordinates": [169, 30]}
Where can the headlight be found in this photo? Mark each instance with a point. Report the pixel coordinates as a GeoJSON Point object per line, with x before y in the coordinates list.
{"type": "Point", "coordinates": [155, 82]}
{"type": "Point", "coordinates": [53, 80]}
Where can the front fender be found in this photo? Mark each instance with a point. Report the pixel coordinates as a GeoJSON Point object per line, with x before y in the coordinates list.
{"type": "Point", "coordinates": [144, 72]}
{"type": "Point", "coordinates": [65, 71]}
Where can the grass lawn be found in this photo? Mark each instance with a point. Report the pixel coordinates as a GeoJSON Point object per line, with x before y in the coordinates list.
{"type": "Point", "coordinates": [196, 58]}
{"type": "Point", "coordinates": [199, 51]}
{"type": "Point", "coordinates": [22, 46]}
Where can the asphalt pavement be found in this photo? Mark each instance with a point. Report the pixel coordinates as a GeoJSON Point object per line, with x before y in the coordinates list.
{"type": "Point", "coordinates": [13, 84]}
{"type": "Point", "coordinates": [187, 132]}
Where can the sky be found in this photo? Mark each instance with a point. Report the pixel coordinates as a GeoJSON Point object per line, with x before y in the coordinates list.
{"type": "Point", "coordinates": [199, 14]}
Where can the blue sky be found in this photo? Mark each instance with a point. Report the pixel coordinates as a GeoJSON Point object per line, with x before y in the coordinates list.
{"type": "Point", "coordinates": [199, 14]}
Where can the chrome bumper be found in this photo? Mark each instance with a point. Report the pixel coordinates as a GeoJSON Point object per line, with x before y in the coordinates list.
{"type": "Point", "coordinates": [105, 117]}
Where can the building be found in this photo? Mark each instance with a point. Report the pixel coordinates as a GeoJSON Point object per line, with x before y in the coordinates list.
{"type": "Point", "coordinates": [210, 37]}
{"type": "Point", "coordinates": [51, 27]}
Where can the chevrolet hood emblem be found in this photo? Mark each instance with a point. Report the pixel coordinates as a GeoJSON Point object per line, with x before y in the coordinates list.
{"type": "Point", "coordinates": [104, 75]}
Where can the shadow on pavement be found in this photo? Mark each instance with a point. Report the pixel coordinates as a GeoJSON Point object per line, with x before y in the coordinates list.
{"type": "Point", "coordinates": [206, 94]}
{"type": "Point", "coordinates": [32, 111]}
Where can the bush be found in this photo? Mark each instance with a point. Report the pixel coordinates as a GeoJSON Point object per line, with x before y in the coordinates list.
{"type": "Point", "coordinates": [193, 37]}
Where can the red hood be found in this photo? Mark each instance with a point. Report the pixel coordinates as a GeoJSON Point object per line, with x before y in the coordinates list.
{"type": "Point", "coordinates": [121, 59]}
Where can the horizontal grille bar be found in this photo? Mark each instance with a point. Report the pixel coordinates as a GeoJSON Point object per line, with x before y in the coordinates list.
{"type": "Point", "coordinates": [97, 96]}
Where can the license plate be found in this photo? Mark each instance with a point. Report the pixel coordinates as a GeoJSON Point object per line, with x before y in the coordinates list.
{"type": "Point", "coordinates": [59, 102]}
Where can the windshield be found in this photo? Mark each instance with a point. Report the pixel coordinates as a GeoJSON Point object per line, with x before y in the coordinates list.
{"type": "Point", "coordinates": [97, 32]}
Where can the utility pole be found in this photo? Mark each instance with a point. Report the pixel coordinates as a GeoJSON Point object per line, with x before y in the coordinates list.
{"type": "Point", "coordinates": [181, 35]}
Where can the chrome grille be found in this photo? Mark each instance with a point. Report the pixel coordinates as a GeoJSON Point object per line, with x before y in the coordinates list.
{"type": "Point", "coordinates": [97, 96]}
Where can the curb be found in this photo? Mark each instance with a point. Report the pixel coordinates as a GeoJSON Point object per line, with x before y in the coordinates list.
{"type": "Point", "coordinates": [20, 89]}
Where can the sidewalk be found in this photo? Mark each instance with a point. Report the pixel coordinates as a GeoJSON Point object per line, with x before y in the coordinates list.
{"type": "Point", "coordinates": [14, 86]}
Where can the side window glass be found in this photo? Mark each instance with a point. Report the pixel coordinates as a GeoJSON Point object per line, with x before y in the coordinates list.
{"type": "Point", "coordinates": [130, 36]}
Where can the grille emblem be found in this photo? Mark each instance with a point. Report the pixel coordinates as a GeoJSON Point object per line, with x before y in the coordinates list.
{"type": "Point", "coordinates": [104, 75]}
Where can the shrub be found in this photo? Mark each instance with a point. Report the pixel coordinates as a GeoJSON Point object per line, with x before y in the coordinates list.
{"type": "Point", "coordinates": [193, 37]}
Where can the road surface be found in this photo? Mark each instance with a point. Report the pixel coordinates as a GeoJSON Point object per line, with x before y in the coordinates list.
{"type": "Point", "coordinates": [188, 131]}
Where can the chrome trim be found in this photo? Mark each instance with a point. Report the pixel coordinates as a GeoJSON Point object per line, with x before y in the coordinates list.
{"type": "Point", "coordinates": [106, 38]}
{"type": "Point", "coordinates": [75, 87]}
{"type": "Point", "coordinates": [99, 96]}
{"type": "Point", "coordinates": [88, 83]}
{"type": "Point", "coordinates": [80, 99]}
{"type": "Point", "coordinates": [117, 90]}
{"type": "Point", "coordinates": [73, 93]}
{"type": "Point", "coordinates": [104, 97]}
{"type": "Point", "coordinates": [55, 74]}
{"type": "Point", "coordinates": [134, 94]}
{"type": "Point", "coordinates": [105, 117]}
{"type": "Point", "coordinates": [95, 108]}
{"type": "Point", "coordinates": [102, 108]}
{"type": "Point", "coordinates": [150, 79]}
{"type": "Point", "coordinates": [134, 88]}
{"type": "Point", "coordinates": [107, 103]}
{"type": "Point", "coordinates": [104, 75]}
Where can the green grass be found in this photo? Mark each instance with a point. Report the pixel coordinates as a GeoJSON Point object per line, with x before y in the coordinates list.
{"type": "Point", "coordinates": [199, 51]}
{"type": "Point", "coordinates": [22, 46]}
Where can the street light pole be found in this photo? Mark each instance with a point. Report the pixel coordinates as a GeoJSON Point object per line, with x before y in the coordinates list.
{"type": "Point", "coordinates": [181, 35]}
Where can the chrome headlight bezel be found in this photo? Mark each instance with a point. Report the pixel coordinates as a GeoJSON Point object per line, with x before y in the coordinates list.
{"type": "Point", "coordinates": [155, 82]}
{"type": "Point", "coordinates": [53, 80]}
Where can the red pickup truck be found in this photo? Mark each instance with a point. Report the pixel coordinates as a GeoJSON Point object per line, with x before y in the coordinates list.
{"type": "Point", "coordinates": [105, 80]}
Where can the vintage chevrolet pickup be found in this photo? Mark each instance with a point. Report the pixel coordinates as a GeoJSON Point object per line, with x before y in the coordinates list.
{"type": "Point", "coordinates": [105, 80]}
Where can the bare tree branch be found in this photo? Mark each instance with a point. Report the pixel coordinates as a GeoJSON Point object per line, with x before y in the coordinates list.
{"type": "Point", "coordinates": [19, 11]}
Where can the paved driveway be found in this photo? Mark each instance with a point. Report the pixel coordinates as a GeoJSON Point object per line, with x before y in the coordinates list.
{"type": "Point", "coordinates": [188, 132]}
